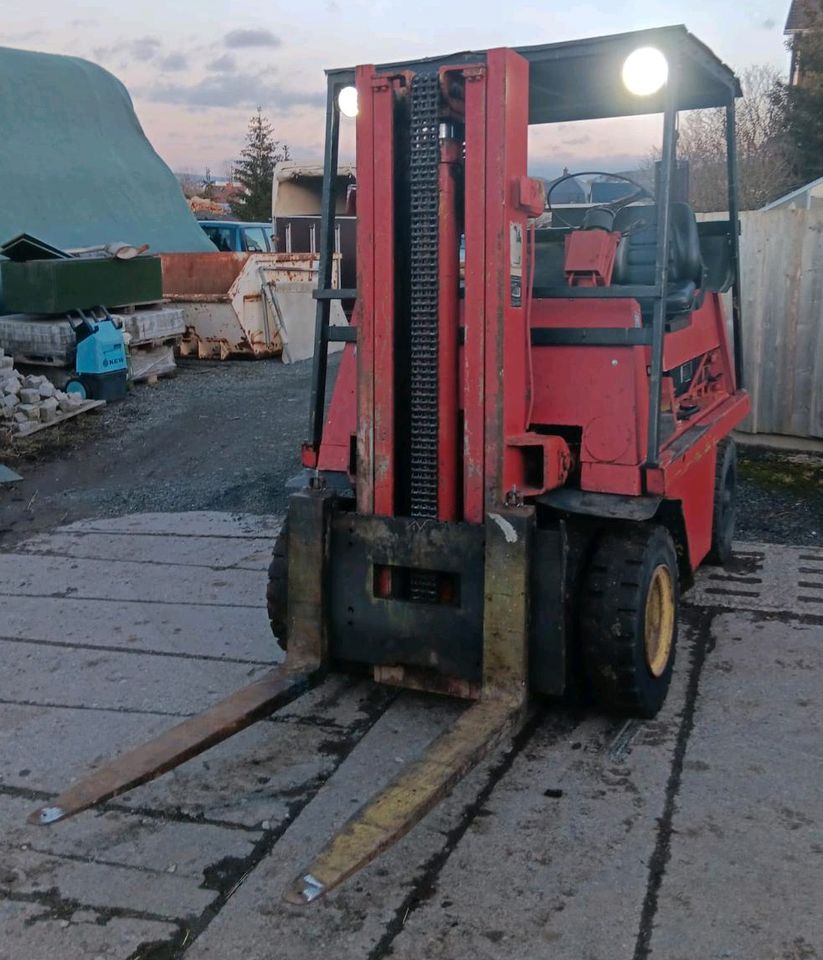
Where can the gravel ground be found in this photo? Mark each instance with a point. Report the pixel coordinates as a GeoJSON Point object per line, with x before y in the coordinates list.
{"type": "Point", "coordinates": [780, 497]}
{"type": "Point", "coordinates": [226, 436]}
{"type": "Point", "coordinates": [217, 436]}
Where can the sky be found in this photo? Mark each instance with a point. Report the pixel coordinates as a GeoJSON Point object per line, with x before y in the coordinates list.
{"type": "Point", "coordinates": [198, 69]}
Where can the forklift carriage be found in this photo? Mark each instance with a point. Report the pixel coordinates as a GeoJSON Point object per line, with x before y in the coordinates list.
{"type": "Point", "coordinates": [527, 452]}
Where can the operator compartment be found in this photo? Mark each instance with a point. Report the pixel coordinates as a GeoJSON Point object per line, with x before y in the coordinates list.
{"type": "Point", "coordinates": [595, 291]}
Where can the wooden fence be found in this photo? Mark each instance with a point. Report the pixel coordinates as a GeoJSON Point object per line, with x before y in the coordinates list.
{"type": "Point", "coordinates": [782, 282]}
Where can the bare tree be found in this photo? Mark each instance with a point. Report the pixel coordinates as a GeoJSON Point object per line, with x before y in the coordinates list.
{"type": "Point", "coordinates": [764, 157]}
{"type": "Point", "coordinates": [190, 183]}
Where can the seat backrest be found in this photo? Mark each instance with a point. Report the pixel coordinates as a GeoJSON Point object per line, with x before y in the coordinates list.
{"type": "Point", "coordinates": [717, 256]}
{"type": "Point", "coordinates": [637, 253]}
{"type": "Point", "coordinates": [550, 258]}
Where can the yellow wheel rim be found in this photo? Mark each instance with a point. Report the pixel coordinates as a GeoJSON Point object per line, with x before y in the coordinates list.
{"type": "Point", "coordinates": [659, 620]}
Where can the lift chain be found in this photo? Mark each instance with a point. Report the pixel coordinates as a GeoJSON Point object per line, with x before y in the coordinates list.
{"type": "Point", "coordinates": [424, 157]}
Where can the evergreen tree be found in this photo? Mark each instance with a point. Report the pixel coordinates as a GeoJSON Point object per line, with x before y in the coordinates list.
{"type": "Point", "coordinates": [802, 98]}
{"type": "Point", "coordinates": [255, 169]}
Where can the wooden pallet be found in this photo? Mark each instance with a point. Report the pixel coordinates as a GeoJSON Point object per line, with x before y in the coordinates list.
{"type": "Point", "coordinates": [147, 365]}
{"type": "Point", "coordinates": [26, 431]}
{"type": "Point", "coordinates": [172, 340]}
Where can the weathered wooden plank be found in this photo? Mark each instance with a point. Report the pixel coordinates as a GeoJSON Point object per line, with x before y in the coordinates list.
{"type": "Point", "coordinates": [26, 431]}
{"type": "Point", "coordinates": [782, 285]}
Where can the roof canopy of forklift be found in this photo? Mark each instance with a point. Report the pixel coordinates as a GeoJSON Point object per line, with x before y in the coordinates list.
{"type": "Point", "coordinates": [581, 79]}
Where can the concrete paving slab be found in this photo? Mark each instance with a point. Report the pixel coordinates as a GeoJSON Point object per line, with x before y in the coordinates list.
{"type": "Point", "coordinates": [195, 523]}
{"type": "Point", "coordinates": [99, 886]}
{"type": "Point", "coordinates": [119, 838]}
{"type": "Point", "coordinates": [745, 875]}
{"type": "Point", "coordinates": [350, 923]}
{"type": "Point", "coordinates": [693, 835]}
{"type": "Point", "coordinates": [513, 868]}
{"type": "Point", "coordinates": [46, 932]}
{"type": "Point", "coordinates": [769, 577]}
{"type": "Point", "coordinates": [237, 633]}
{"type": "Point", "coordinates": [555, 863]}
{"type": "Point", "coordinates": [22, 573]}
{"type": "Point", "coordinates": [123, 682]}
{"type": "Point", "coordinates": [44, 749]}
{"type": "Point", "coordinates": [214, 552]}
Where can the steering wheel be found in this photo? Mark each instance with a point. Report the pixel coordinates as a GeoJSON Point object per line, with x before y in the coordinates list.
{"type": "Point", "coordinates": [613, 207]}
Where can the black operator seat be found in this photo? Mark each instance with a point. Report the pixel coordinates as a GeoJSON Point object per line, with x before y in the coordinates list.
{"type": "Point", "coordinates": [636, 255]}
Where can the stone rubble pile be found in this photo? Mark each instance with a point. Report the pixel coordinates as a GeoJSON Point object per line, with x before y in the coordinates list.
{"type": "Point", "coordinates": [30, 399]}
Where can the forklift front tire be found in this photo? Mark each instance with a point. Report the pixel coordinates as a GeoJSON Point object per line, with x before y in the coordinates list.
{"type": "Point", "coordinates": [628, 621]}
{"type": "Point", "coordinates": [277, 589]}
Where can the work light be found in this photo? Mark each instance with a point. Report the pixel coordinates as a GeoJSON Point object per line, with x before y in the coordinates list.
{"type": "Point", "coordinates": [347, 101]}
{"type": "Point", "coordinates": [645, 71]}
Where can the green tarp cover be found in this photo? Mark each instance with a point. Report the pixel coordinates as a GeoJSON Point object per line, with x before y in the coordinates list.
{"type": "Point", "coordinates": [76, 169]}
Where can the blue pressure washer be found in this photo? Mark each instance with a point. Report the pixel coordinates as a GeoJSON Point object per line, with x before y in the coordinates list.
{"type": "Point", "coordinates": [101, 365]}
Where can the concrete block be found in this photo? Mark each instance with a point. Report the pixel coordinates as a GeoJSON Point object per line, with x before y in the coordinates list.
{"type": "Point", "coordinates": [29, 395]}
{"type": "Point", "coordinates": [11, 385]}
{"type": "Point", "coordinates": [9, 401]}
{"type": "Point", "coordinates": [68, 402]}
{"type": "Point", "coordinates": [46, 389]}
{"type": "Point", "coordinates": [33, 380]}
{"type": "Point", "coordinates": [33, 338]}
{"type": "Point", "coordinates": [6, 363]}
{"type": "Point", "coordinates": [48, 409]}
{"type": "Point", "coordinates": [145, 326]}
{"type": "Point", "coordinates": [20, 417]}
{"type": "Point", "coordinates": [31, 410]}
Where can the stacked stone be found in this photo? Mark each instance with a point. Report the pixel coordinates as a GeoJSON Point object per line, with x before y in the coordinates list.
{"type": "Point", "coordinates": [30, 399]}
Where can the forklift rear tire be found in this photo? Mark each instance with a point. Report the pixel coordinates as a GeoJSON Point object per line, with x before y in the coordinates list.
{"type": "Point", "coordinates": [277, 589]}
{"type": "Point", "coordinates": [628, 620]}
{"type": "Point", "coordinates": [724, 515]}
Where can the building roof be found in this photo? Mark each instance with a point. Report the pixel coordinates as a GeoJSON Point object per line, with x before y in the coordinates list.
{"type": "Point", "coordinates": [802, 14]}
{"type": "Point", "coordinates": [569, 191]}
{"type": "Point", "coordinates": [789, 198]}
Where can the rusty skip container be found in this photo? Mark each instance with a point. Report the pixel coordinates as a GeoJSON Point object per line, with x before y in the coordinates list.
{"type": "Point", "coordinates": [246, 305]}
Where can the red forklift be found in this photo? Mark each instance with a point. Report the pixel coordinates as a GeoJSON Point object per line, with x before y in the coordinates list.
{"type": "Point", "coordinates": [526, 453]}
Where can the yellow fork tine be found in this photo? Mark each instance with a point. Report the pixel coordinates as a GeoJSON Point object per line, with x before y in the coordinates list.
{"type": "Point", "coordinates": [408, 798]}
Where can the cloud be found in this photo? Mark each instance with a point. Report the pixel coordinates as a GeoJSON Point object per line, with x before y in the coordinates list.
{"type": "Point", "coordinates": [224, 64]}
{"type": "Point", "coordinates": [173, 62]}
{"type": "Point", "coordinates": [145, 48]}
{"type": "Point", "coordinates": [551, 166]}
{"type": "Point", "coordinates": [23, 37]}
{"type": "Point", "coordinates": [232, 90]}
{"type": "Point", "coordinates": [257, 37]}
